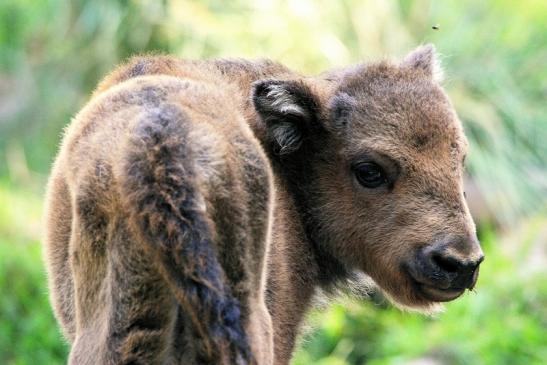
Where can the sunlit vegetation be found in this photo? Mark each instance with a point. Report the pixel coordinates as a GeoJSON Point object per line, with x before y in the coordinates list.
{"type": "Point", "coordinates": [53, 52]}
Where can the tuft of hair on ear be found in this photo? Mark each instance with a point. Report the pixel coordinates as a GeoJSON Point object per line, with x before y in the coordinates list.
{"type": "Point", "coordinates": [426, 59]}
{"type": "Point", "coordinates": [341, 106]}
{"type": "Point", "coordinates": [287, 107]}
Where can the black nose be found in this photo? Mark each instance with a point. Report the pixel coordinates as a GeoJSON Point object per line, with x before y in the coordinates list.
{"type": "Point", "coordinates": [451, 263]}
{"type": "Point", "coordinates": [463, 273]}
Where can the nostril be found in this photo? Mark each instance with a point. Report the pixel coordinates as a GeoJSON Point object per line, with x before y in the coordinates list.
{"type": "Point", "coordinates": [447, 264]}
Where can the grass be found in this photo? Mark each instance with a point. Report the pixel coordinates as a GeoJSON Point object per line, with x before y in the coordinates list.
{"type": "Point", "coordinates": [28, 334]}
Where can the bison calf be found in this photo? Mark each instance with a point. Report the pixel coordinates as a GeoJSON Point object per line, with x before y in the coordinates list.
{"type": "Point", "coordinates": [196, 207]}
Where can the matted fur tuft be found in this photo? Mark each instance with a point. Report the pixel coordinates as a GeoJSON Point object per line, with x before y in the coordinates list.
{"type": "Point", "coordinates": [166, 210]}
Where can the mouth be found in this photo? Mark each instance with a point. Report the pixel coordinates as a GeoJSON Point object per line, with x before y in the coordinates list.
{"type": "Point", "coordinates": [434, 281]}
{"type": "Point", "coordinates": [434, 294]}
{"type": "Point", "coordinates": [427, 290]}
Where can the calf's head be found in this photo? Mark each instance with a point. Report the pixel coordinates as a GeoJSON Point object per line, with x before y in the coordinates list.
{"type": "Point", "coordinates": [375, 156]}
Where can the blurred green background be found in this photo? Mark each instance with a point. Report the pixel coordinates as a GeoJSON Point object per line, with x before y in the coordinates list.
{"type": "Point", "coordinates": [53, 52]}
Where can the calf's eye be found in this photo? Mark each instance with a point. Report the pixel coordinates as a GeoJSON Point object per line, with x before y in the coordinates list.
{"type": "Point", "coordinates": [370, 174]}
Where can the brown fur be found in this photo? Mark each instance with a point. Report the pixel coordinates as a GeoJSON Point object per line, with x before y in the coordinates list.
{"type": "Point", "coordinates": [174, 181]}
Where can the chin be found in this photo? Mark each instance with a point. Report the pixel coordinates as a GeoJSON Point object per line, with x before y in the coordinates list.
{"type": "Point", "coordinates": [429, 308]}
{"type": "Point", "coordinates": [415, 297]}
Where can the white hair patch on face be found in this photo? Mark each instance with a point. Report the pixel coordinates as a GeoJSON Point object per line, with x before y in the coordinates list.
{"type": "Point", "coordinates": [283, 100]}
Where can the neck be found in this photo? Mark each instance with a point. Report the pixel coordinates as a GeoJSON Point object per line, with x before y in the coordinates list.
{"type": "Point", "coordinates": [298, 263]}
{"type": "Point", "coordinates": [293, 274]}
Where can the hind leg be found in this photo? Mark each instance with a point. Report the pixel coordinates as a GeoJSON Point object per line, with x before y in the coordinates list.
{"type": "Point", "coordinates": [242, 217]}
{"type": "Point", "coordinates": [58, 213]}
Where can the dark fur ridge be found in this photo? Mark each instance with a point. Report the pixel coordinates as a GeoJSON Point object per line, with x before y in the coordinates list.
{"type": "Point", "coordinates": [160, 194]}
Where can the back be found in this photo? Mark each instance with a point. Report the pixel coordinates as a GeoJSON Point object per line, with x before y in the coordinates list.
{"type": "Point", "coordinates": [139, 250]}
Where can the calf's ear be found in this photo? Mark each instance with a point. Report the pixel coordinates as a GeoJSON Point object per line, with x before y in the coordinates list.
{"type": "Point", "coordinates": [426, 59]}
{"type": "Point", "coordinates": [288, 108]}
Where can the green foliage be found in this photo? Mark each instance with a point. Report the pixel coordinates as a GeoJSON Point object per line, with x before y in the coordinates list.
{"type": "Point", "coordinates": [28, 332]}
{"type": "Point", "coordinates": [53, 52]}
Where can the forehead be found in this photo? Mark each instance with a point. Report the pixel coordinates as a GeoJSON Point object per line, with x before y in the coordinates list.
{"type": "Point", "coordinates": [403, 114]}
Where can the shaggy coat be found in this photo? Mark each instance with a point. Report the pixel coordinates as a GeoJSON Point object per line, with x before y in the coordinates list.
{"type": "Point", "coordinates": [196, 207]}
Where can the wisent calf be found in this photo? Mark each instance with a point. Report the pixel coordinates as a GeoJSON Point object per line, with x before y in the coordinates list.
{"type": "Point", "coordinates": [195, 207]}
